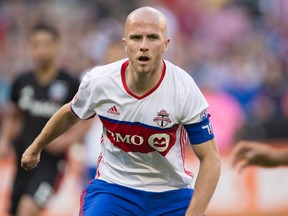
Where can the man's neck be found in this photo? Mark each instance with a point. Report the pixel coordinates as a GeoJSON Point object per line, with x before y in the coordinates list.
{"type": "Point", "coordinates": [45, 75]}
{"type": "Point", "coordinates": [141, 83]}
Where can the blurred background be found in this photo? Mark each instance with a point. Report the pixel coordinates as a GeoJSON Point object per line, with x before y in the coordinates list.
{"type": "Point", "coordinates": [236, 50]}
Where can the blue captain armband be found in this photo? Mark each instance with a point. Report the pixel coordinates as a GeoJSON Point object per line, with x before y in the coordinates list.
{"type": "Point", "coordinates": [200, 132]}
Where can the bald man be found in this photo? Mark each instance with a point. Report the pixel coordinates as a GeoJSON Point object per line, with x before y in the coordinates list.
{"type": "Point", "coordinates": [147, 106]}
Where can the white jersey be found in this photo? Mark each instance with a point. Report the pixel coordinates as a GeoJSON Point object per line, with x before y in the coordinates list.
{"type": "Point", "coordinates": [144, 137]}
{"type": "Point", "coordinates": [92, 142]}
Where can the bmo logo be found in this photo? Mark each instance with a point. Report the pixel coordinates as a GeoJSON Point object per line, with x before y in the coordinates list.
{"type": "Point", "coordinates": [159, 142]}
{"type": "Point", "coordinates": [129, 139]}
{"type": "Point", "coordinates": [144, 144]}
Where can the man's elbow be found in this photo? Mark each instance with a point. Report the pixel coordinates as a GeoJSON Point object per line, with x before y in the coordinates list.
{"type": "Point", "coordinates": [214, 159]}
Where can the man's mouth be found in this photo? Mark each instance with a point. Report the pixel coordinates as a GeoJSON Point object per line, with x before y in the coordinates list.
{"type": "Point", "coordinates": [143, 58]}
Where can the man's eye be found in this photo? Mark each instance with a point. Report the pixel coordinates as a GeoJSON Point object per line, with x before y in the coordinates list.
{"type": "Point", "coordinates": [153, 37]}
{"type": "Point", "coordinates": [135, 37]}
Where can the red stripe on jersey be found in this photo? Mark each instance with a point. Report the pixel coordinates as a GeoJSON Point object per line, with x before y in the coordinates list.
{"type": "Point", "coordinates": [137, 137]}
{"type": "Point", "coordinates": [98, 163]}
{"type": "Point", "coordinates": [82, 200]}
{"type": "Point", "coordinates": [102, 139]}
{"type": "Point", "coordinates": [183, 140]}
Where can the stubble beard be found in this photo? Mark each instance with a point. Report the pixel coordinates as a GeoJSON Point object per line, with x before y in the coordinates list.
{"type": "Point", "coordinates": [149, 68]}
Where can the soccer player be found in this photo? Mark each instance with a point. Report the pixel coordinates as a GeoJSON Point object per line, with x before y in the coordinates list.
{"type": "Point", "coordinates": [146, 105]}
{"type": "Point", "coordinates": [248, 153]}
{"type": "Point", "coordinates": [35, 96]}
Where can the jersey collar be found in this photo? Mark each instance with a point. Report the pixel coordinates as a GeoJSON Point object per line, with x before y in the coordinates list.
{"type": "Point", "coordinates": [123, 69]}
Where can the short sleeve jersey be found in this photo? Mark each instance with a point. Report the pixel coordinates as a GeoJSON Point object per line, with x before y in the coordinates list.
{"type": "Point", "coordinates": [144, 137]}
{"type": "Point", "coordinates": [38, 103]}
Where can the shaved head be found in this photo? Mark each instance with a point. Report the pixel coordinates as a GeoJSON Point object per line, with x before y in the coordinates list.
{"type": "Point", "coordinates": [146, 15]}
{"type": "Point", "coordinates": [145, 40]}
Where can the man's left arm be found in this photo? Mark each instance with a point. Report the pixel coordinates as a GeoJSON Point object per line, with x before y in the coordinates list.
{"type": "Point", "coordinates": [74, 135]}
{"type": "Point", "coordinates": [207, 179]}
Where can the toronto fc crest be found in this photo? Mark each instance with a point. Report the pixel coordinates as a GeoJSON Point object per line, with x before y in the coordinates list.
{"type": "Point", "coordinates": [162, 119]}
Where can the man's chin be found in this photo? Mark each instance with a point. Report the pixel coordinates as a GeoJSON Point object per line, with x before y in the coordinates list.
{"type": "Point", "coordinates": [143, 69]}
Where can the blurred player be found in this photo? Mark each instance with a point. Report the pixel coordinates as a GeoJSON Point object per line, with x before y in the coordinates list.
{"type": "Point", "coordinates": [145, 104]}
{"type": "Point", "coordinates": [36, 95]}
{"type": "Point", "coordinates": [248, 153]}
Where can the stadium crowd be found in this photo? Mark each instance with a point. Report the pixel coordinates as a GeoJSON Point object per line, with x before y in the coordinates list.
{"type": "Point", "coordinates": [236, 51]}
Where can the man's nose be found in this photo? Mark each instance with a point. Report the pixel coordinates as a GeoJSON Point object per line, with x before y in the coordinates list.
{"type": "Point", "coordinates": [144, 45]}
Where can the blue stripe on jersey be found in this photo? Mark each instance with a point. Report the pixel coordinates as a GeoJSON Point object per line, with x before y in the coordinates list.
{"type": "Point", "coordinates": [200, 132]}
{"type": "Point", "coordinates": [134, 124]}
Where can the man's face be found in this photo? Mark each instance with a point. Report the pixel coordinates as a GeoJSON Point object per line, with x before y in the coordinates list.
{"type": "Point", "coordinates": [44, 48]}
{"type": "Point", "coordinates": [145, 42]}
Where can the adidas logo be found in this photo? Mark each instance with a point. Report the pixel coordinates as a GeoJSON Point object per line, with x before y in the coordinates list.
{"type": "Point", "coordinates": [113, 110]}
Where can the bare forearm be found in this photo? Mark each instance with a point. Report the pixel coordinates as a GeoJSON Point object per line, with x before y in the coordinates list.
{"type": "Point", "coordinates": [205, 185]}
{"type": "Point", "coordinates": [78, 132]}
{"type": "Point", "coordinates": [60, 122]}
{"type": "Point", "coordinates": [279, 157]}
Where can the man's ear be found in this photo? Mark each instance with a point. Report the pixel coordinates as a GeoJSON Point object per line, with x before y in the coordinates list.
{"type": "Point", "coordinates": [166, 44]}
{"type": "Point", "coordinates": [124, 42]}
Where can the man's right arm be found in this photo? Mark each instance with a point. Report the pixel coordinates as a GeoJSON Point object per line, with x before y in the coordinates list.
{"type": "Point", "coordinates": [282, 156]}
{"type": "Point", "coordinates": [59, 123]}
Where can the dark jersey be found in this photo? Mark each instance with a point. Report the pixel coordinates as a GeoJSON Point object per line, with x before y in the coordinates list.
{"type": "Point", "coordinates": [38, 103]}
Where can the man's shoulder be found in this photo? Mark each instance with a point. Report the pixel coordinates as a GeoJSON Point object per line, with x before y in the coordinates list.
{"type": "Point", "coordinates": [107, 69]}
{"type": "Point", "coordinates": [23, 76]}
{"type": "Point", "coordinates": [177, 73]}
{"type": "Point", "coordinates": [174, 68]}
